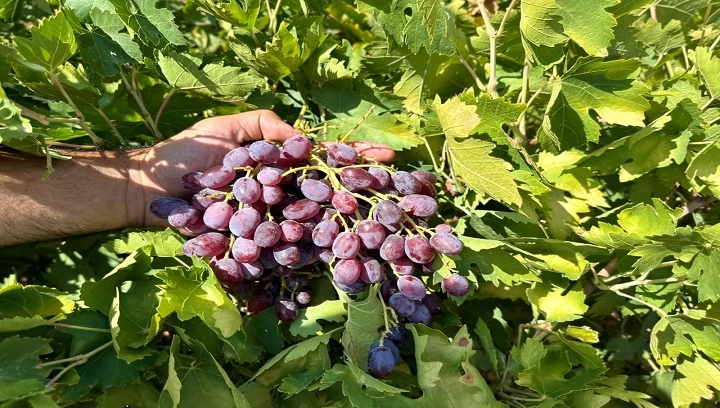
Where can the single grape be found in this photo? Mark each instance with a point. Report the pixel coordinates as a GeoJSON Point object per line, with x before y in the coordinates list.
{"type": "Point", "coordinates": [241, 290]}
{"type": "Point", "coordinates": [387, 289]}
{"type": "Point", "coordinates": [296, 282]}
{"type": "Point", "coordinates": [324, 254]}
{"type": "Point", "coordinates": [197, 227]}
{"type": "Point", "coordinates": [287, 253]}
{"type": "Point", "coordinates": [398, 335]}
{"type": "Point", "coordinates": [420, 315]}
{"type": "Point", "coordinates": [163, 206]}
{"type": "Point", "coordinates": [297, 147]}
{"type": "Point", "coordinates": [332, 163]}
{"type": "Point", "coordinates": [418, 205]}
{"type": "Point", "coordinates": [247, 190]}
{"type": "Point", "coordinates": [356, 287]}
{"type": "Point", "coordinates": [403, 266]}
{"type": "Point", "coordinates": [291, 231]}
{"type": "Point", "coordinates": [355, 179]}
{"type": "Point", "coordinates": [381, 178]}
{"type": "Point", "coordinates": [245, 250]}
{"type": "Point", "coordinates": [443, 228]}
{"type": "Point", "coordinates": [405, 183]}
{"type": "Point", "coordinates": [456, 285]}
{"type": "Point", "coordinates": [308, 228]}
{"type": "Point", "coordinates": [342, 154]}
{"type": "Point", "coordinates": [307, 254]}
{"type": "Point", "coordinates": [267, 259]}
{"type": "Point", "coordinates": [347, 271]}
{"type": "Point", "coordinates": [206, 197]}
{"type": "Point", "coordinates": [244, 222]}
{"type": "Point", "coordinates": [434, 304]}
{"type": "Point", "coordinates": [303, 298]}
{"type": "Point", "coordinates": [270, 176]}
{"type": "Point", "coordinates": [393, 248]}
{"type": "Point", "coordinates": [427, 189]}
{"type": "Point", "coordinates": [344, 202]}
{"type": "Point", "coordinates": [238, 157]}
{"type": "Point", "coordinates": [381, 362]}
{"type": "Point", "coordinates": [387, 213]}
{"type": "Point", "coordinates": [305, 175]}
{"type": "Point", "coordinates": [401, 304]}
{"type": "Point", "coordinates": [325, 233]}
{"type": "Point", "coordinates": [267, 234]}
{"type": "Point", "coordinates": [389, 345]}
{"type": "Point", "coordinates": [227, 271]}
{"type": "Point", "coordinates": [371, 233]}
{"type": "Point", "coordinates": [346, 245]}
{"type": "Point", "coordinates": [191, 181]}
{"type": "Point", "coordinates": [259, 300]}
{"type": "Point", "coordinates": [286, 310]}
{"type": "Point", "coordinates": [412, 287]}
{"type": "Point", "coordinates": [446, 243]}
{"type": "Point", "coordinates": [426, 176]}
{"type": "Point", "coordinates": [216, 177]}
{"type": "Point", "coordinates": [418, 249]}
{"type": "Point", "coordinates": [217, 216]}
{"type": "Point", "coordinates": [264, 152]}
{"type": "Point", "coordinates": [301, 210]}
{"type": "Point", "coordinates": [271, 195]}
{"type": "Point", "coordinates": [372, 271]}
{"type": "Point", "coordinates": [251, 270]}
{"type": "Point", "coordinates": [316, 190]}
{"type": "Point", "coordinates": [183, 215]}
{"type": "Point", "coordinates": [209, 244]}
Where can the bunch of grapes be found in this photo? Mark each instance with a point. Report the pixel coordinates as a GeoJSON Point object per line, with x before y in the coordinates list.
{"type": "Point", "coordinates": [269, 214]}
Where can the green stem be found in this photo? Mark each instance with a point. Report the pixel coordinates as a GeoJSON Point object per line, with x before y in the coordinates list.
{"type": "Point", "coordinates": [81, 118]}
{"type": "Point", "coordinates": [76, 358]}
{"type": "Point", "coordinates": [72, 326]}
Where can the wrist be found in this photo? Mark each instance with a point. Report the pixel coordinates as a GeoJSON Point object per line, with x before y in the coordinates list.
{"type": "Point", "coordinates": [139, 189]}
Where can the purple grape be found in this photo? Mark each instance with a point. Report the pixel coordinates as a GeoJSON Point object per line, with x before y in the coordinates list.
{"type": "Point", "coordinates": [427, 189]}
{"type": "Point", "coordinates": [270, 176]}
{"type": "Point", "coordinates": [227, 271]}
{"type": "Point", "coordinates": [393, 248]}
{"type": "Point", "coordinates": [283, 271]}
{"type": "Point", "coordinates": [401, 305]}
{"type": "Point", "coordinates": [286, 310]}
{"type": "Point", "coordinates": [259, 300]}
{"type": "Point", "coordinates": [399, 335]}
{"type": "Point", "coordinates": [303, 298]}
{"type": "Point", "coordinates": [434, 304]}
{"type": "Point", "coordinates": [183, 215]}
{"type": "Point", "coordinates": [267, 259]}
{"type": "Point", "coordinates": [245, 250]}
{"type": "Point", "coordinates": [316, 190]}
{"type": "Point", "coordinates": [305, 175]}
{"type": "Point", "coordinates": [324, 254]}
{"type": "Point", "coordinates": [347, 271]}
{"type": "Point", "coordinates": [251, 270]}
{"type": "Point", "coordinates": [418, 249]}
{"type": "Point", "coordinates": [387, 289]}
{"type": "Point", "coordinates": [191, 181]}
{"type": "Point", "coordinates": [418, 205]}
{"type": "Point", "coordinates": [403, 266]}
{"type": "Point", "coordinates": [271, 195]}
{"type": "Point", "coordinates": [308, 228]}
{"type": "Point", "coordinates": [217, 216]}
{"type": "Point", "coordinates": [163, 206]}
{"type": "Point", "coordinates": [216, 177]}
{"type": "Point", "coordinates": [344, 202]}
{"type": "Point", "coordinates": [346, 245]}
{"type": "Point", "coordinates": [405, 183]}
{"type": "Point", "coordinates": [301, 210]}
{"type": "Point", "coordinates": [325, 233]}
{"type": "Point", "coordinates": [355, 179]}
{"type": "Point", "coordinates": [381, 178]}
{"type": "Point", "coordinates": [356, 287]}
{"type": "Point", "coordinates": [291, 231]}
{"type": "Point", "coordinates": [372, 271]}
{"type": "Point", "coordinates": [443, 228]}
{"type": "Point", "coordinates": [297, 147]}
{"type": "Point", "coordinates": [264, 152]}
{"type": "Point", "coordinates": [371, 233]}
{"type": "Point", "coordinates": [388, 213]}
{"type": "Point", "coordinates": [244, 222]}
{"type": "Point", "coordinates": [389, 345]}
{"type": "Point", "coordinates": [446, 243]}
{"type": "Point", "coordinates": [420, 315]}
{"type": "Point", "coordinates": [424, 176]}
{"type": "Point", "coordinates": [381, 362]}
{"type": "Point", "coordinates": [342, 154]}
{"type": "Point", "coordinates": [267, 234]}
{"type": "Point", "coordinates": [287, 253]}
{"type": "Point", "coordinates": [247, 190]}
{"type": "Point", "coordinates": [296, 282]}
{"type": "Point", "coordinates": [197, 227]}
{"type": "Point", "coordinates": [456, 285]}
{"type": "Point", "coordinates": [412, 287]}
{"type": "Point", "coordinates": [238, 157]}
{"type": "Point", "coordinates": [209, 244]}
{"type": "Point", "coordinates": [206, 197]}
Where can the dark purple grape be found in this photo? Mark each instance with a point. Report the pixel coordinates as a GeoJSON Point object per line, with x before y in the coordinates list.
{"type": "Point", "coordinates": [380, 176]}
{"type": "Point", "coordinates": [446, 243]}
{"type": "Point", "coordinates": [244, 222]}
{"type": "Point", "coordinates": [264, 152]}
{"type": "Point", "coordinates": [456, 285]}
{"type": "Point", "coordinates": [405, 183]}
{"type": "Point", "coordinates": [387, 289]}
{"type": "Point", "coordinates": [270, 176]}
{"type": "Point", "coordinates": [217, 216]}
{"type": "Point", "coordinates": [426, 176]}
{"type": "Point", "coordinates": [238, 157]}
{"type": "Point", "coordinates": [287, 253]}
{"type": "Point", "coordinates": [389, 345]}
{"type": "Point", "coordinates": [418, 249]}
{"type": "Point", "coordinates": [381, 362]}
{"type": "Point", "coordinates": [241, 290]}
{"type": "Point", "coordinates": [245, 250]}
{"type": "Point", "coordinates": [209, 244]}
{"type": "Point", "coordinates": [247, 190]}
{"type": "Point", "coordinates": [291, 231]}
{"type": "Point", "coordinates": [420, 315]}
{"type": "Point", "coordinates": [206, 197]}
{"type": "Point", "coordinates": [216, 177]}
{"type": "Point", "coordinates": [301, 210]}
{"type": "Point", "coordinates": [356, 287]}
{"type": "Point", "coordinates": [324, 254]}
{"type": "Point", "coordinates": [427, 189]}
{"type": "Point", "coordinates": [401, 305]}
{"type": "Point", "coordinates": [344, 202]}
{"type": "Point", "coordinates": [393, 248]}
{"type": "Point", "coordinates": [267, 234]}
{"type": "Point", "coordinates": [308, 228]}
{"type": "Point", "coordinates": [316, 190]}
{"type": "Point", "coordinates": [259, 300]}
{"type": "Point", "coordinates": [191, 181]}
{"type": "Point", "coordinates": [388, 213]}
{"type": "Point", "coordinates": [418, 205]}
{"type": "Point", "coordinates": [296, 282]}
{"type": "Point", "coordinates": [342, 154]}
{"type": "Point", "coordinates": [297, 147]}
{"type": "Point", "coordinates": [403, 266]}
{"type": "Point", "coordinates": [372, 271]}
{"type": "Point", "coordinates": [347, 271]}
{"type": "Point", "coordinates": [183, 215]}
{"type": "Point", "coordinates": [283, 271]}
{"type": "Point", "coordinates": [399, 335]}
{"type": "Point", "coordinates": [227, 271]}
{"type": "Point", "coordinates": [325, 233]}
{"type": "Point", "coordinates": [271, 195]}
{"type": "Point", "coordinates": [307, 255]}
{"type": "Point", "coordinates": [443, 228]}
{"type": "Point", "coordinates": [251, 270]}
{"type": "Point", "coordinates": [163, 206]}
{"type": "Point", "coordinates": [412, 287]}
{"type": "Point", "coordinates": [267, 259]}
{"type": "Point", "coordinates": [371, 233]}
{"type": "Point", "coordinates": [434, 304]}
{"type": "Point", "coordinates": [355, 179]}
{"type": "Point", "coordinates": [303, 298]}
{"type": "Point", "coordinates": [346, 245]}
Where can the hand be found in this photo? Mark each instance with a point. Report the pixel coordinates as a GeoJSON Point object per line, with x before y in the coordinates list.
{"type": "Point", "coordinates": [204, 145]}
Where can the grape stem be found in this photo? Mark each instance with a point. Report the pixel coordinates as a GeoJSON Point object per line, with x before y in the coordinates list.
{"type": "Point", "coordinates": [232, 242]}
{"type": "Point", "coordinates": [385, 317]}
{"type": "Point", "coordinates": [76, 361]}
{"type": "Point", "coordinates": [72, 326]}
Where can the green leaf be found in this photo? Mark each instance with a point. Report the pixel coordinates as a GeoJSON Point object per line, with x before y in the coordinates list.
{"type": "Point", "coordinates": [704, 169]}
{"type": "Point", "coordinates": [12, 124]}
{"type": "Point", "coordinates": [167, 243]}
{"type": "Point", "coordinates": [556, 303]}
{"type": "Point", "coordinates": [104, 47]}
{"type": "Point", "coordinates": [358, 386]}
{"type": "Point", "coordinates": [457, 118]}
{"type": "Point", "coordinates": [491, 176]}
{"type": "Point", "coordinates": [693, 380]}
{"type": "Point", "coordinates": [709, 69]}
{"type": "Point", "coordinates": [364, 318]}
{"type": "Point", "coordinates": [51, 44]}
{"type": "Point", "coordinates": [307, 322]}
{"type": "Point", "coordinates": [583, 333]}
{"type": "Point", "coordinates": [494, 113]}
{"type": "Point", "coordinates": [674, 337]}
{"type": "Point", "coordinates": [153, 26]}
{"type": "Point", "coordinates": [542, 33]}
{"type": "Point", "coordinates": [29, 301]}
{"type": "Point", "coordinates": [437, 37]}
{"type": "Point", "coordinates": [240, 14]}
{"type": "Point", "coordinates": [134, 320]}
{"type": "Point", "coordinates": [136, 395]}
{"type": "Point", "coordinates": [587, 23]}
{"type": "Point", "coordinates": [99, 295]}
{"type": "Point", "coordinates": [19, 375]}
{"type": "Point", "coordinates": [483, 332]}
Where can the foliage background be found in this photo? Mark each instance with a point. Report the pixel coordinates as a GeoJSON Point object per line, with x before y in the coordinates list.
{"type": "Point", "coordinates": [577, 145]}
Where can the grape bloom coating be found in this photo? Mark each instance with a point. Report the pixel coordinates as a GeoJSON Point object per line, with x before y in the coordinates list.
{"type": "Point", "coordinates": [268, 217]}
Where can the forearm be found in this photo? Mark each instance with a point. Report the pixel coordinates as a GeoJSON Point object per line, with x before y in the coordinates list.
{"type": "Point", "coordinates": [95, 191]}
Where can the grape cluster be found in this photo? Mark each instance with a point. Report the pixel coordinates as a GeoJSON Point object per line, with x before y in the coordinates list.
{"type": "Point", "coordinates": [269, 212]}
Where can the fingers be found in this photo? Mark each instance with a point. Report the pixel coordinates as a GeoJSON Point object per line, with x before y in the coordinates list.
{"type": "Point", "coordinates": [376, 151]}
{"type": "Point", "coordinates": [247, 126]}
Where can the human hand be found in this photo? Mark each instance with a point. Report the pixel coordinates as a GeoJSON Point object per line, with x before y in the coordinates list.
{"type": "Point", "coordinates": [157, 172]}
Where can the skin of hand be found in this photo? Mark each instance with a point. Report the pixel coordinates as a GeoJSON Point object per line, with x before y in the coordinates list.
{"type": "Point", "coordinates": [104, 190]}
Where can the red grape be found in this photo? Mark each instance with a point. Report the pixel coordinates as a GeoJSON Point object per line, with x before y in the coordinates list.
{"type": "Point", "coordinates": [446, 243]}
{"type": "Point", "coordinates": [183, 215]}
{"type": "Point", "coordinates": [443, 228]}
{"type": "Point", "coordinates": [271, 195]}
{"type": "Point", "coordinates": [342, 154]}
{"type": "Point", "coordinates": [325, 233]}
{"type": "Point", "coordinates": [346, 245]}
{"type": "Point", "coordinates": [267, 234]}
{"type": "Point", "coordinates": [344, 202]}
{"type": "Point", "coordinates": [244, 222]}
{"type": "Point", "coordinates": [418, 249]}
{"type": "Point", "coordinates": [411, 287]}
{"type": "Point", "coordinates": [372, 271]}
{"type": "Point", "coordinates": [403, 266]}
{"type": "Point", "coordinates": [227, 271]}
{"type": "Point", "coordinates": [264, 152]}
{"type": "Point", "coordinates": [419, 205]}
{"type": "Point", "coordinates": [355, 179]}
{"type": "Point", "coordinates": [191, 181]}
{"type": "Point", "coordinates": [381, 178]}
{"type": "Point", "coordinates": [401, 304]}
{"type": "Point", "coordinates": [259, 300]}
{"type": "Point", "coordinates": [291, 231]}
{"type": "Point", "coordinates": [371, 233]}
{"type": "Point", "coordinates": [238, 157]}
{"type": "Point", "coordinates": [287, 253]}
{"type": "Point", "coordinates": [297, 147]}
{"type": "Point", "coordinates": [316, 190]}
{"type": "Point", "coordinates": [392, 248]}
{"type": "Point", "coordinates": [270, 176]}
{"type": "Point", "coordinates": [347, 271]}
{"type": "Point", "coordinates": [405, 183]}
{"type": "Point", "coordinates": [286, 310]}
{"type": "Point", "coordinates": [301, 210]}
{"type": "Point", "coordinates": [251, 270]}
{"type": "Point", "coordinates": [387, 213]}
{"type": "Point", "coordinates": [246, 190]}
{"type": "Point", "coordinates": [245, 250]}
{"type": "Point", "coordinates": [217, 216]}
{"type": "Point", "coordinates": [163, 206]}
{"type": "Point", "coordinates": [456, 285]}
{"type": "Point", "coordinates": [209, 244]}
{"type": "Point", "coordinates": [216, 177]}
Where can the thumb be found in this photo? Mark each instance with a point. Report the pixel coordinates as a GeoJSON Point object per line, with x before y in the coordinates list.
{"type": "Point", "coordinates": [248, 126]}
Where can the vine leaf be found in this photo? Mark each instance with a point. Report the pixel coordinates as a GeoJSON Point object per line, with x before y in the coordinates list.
{"type": "Point", "coordinates": [51, 44]}
{"type": "Point", "coordinates": [556, 303]}
{"type": "Point", "coordinates": [364, 318]}
{"type": "Point", "coordinates": [19, 357]}
{"type": "Point", "coordinates": [307, 324]}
